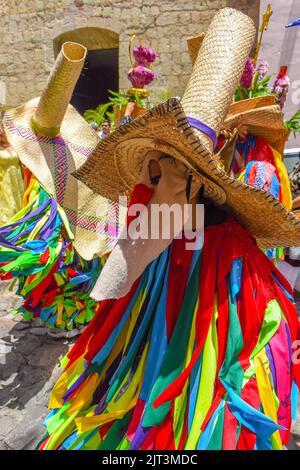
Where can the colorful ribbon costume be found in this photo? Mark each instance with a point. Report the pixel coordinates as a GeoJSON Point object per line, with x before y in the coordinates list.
{"type": "Point", "coordinates": [199, 351]}
{"type": "Point", "coordinates": [260, 165]}
{"type": "Point", "coordinates": [58, 241]}
{"type": "Point", "coordinates": [36, 247]}
{"type": "Point", "coordinates": [197, 356]}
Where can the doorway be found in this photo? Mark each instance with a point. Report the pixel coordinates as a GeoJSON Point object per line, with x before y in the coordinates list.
{"type": "Point", "coordinates": [101, 69]}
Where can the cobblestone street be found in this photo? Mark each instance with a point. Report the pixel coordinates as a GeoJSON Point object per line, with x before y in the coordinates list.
{"type": "Point", "coordinates": [29, 366]}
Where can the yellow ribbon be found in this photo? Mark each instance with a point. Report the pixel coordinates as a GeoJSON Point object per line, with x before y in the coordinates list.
{"type": "Point", "coordinates": [262, 370]}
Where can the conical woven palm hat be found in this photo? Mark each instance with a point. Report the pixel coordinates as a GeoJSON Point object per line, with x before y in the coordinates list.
{"type": "Point", "coordinates": [261, 116]}
{"type": "Point", "coordinates": [52, 141]}
{"type": "Point", "coordinates": [187, 130]}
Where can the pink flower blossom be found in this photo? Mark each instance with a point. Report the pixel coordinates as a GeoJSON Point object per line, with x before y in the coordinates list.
{"type": "Point", "coordinates": [144, 55]}
{"type": "Point", "coordinates": [140, 76]}
{"type": "Point", "coordinates": [281, 88]}
{"type": "Point", "coordinates": [247, 77]}
{"type": "Point", "coordinates": [262, 68]}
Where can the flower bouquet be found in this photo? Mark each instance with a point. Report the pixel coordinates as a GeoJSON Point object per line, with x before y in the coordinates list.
{"type": "Point", "coordinates": [140, 75]}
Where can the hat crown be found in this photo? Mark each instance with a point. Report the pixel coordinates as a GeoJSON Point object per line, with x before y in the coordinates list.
{"type": "Point", "coordinates": [217, 70]}
{"type": "Point", "coordinates": [58, 92]}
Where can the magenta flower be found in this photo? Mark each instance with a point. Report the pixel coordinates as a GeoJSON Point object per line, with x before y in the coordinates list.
{"type": "Point", "coordinates": [262, 68]}
{"type": "Point", "coordinates": [281, 88]}
{"type": "Point", "coordinates": [140, 76]}
{"type": "Point", "coordinates": [144, 55]}
{"type": "Point", "coordinates": [247, 77]}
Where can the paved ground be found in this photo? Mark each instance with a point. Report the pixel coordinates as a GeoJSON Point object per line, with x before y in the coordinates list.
{"type": "Point", "coordinates": [29, 366]}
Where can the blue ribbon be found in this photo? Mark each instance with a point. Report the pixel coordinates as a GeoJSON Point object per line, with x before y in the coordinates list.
{"type": "Point", "coordinates": [294, 23]}
{"type": "Point", "coordinates": [200, 126]}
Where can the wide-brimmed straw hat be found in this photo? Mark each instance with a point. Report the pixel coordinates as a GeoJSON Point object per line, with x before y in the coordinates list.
{"type": "Point", "coordinates": [261, 116]}
{"type": "Point", "coordinates": [52, 141]}
{"type": "Point", "coordinates": [188, 130]}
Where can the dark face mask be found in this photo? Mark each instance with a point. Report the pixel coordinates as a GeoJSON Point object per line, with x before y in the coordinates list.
{"type": "Point", "coordinates": [171, 184]}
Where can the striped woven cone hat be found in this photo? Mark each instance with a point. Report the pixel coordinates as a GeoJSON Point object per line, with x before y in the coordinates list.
{"type": "Point", "coordinates": [52, 141]}
{"type": "Point", "coordinates": [188, 131]}
{"type": "Point", "coordinates": [261, 116]}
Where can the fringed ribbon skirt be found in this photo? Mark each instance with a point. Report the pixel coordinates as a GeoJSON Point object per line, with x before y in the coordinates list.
{"type": "Point", "coordinates": [36, 247]}
{"type": "Point", "coordinates": [199, 355]}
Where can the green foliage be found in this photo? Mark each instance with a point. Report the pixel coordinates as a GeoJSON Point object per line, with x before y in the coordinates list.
{"type": "Point", "coordinates": [293, 124]}
{"type": "Point", "coordinates": [110, 116]}
{"type": "Point", "coordinates": [122, 99]}
{"type": "Point", "coordinates": [118, 100]}
{"type": "Point", "coordinates": [99, 114]}
{"type": "Point", "coordinates": [258, 88]}
{"type": "Point", "coordinates": [105, 110]}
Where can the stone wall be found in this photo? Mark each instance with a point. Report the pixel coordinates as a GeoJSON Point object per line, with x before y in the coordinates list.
{"type": "Point", "coordinates": [29, 27]}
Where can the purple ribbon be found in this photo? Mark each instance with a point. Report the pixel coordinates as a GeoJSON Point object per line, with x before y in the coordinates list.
{"type": "Point", "coordinates": [6, 229]}
{"type": "Point", "coordinates": [49, 229]}
{"type": "Point", "coordinates": [200, 126]}
{"type": "Point", "coordinates": [75, 385]}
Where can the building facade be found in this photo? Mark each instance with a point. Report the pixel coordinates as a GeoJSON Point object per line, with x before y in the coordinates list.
{"type": "Point", "coordinates": [32, 32]}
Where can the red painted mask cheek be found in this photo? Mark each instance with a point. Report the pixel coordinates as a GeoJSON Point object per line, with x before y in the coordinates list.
{"type": "Point", "coordinates": [141, 194]}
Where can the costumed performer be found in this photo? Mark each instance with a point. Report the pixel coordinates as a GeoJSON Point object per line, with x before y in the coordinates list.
{"type": "Point", "coordinates": [190, 348]}
{"type": "Point", "coordinates": [58, 242]}
{"type": "Point", "coordinates": [11, 180]}
{"type": "Point", "coordinates": [251, 144]}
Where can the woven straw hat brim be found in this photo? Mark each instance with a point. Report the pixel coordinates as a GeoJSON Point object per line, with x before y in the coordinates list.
{"type": "Point", "coordinates": [52, 161]}
{"type": "Point", "coordinates": [194, 44]}
{"type": "Point", "coordinates": [266, 122]}
{"type": "Point", "coordinates": [243, 106]}
{"type": "Point", "coordinates": [115, 166]}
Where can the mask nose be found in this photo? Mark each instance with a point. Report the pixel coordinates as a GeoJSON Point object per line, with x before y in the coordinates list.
{"type": "Point", "coordinates": [169, 182]}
